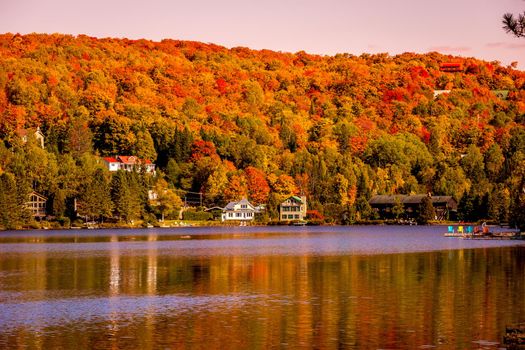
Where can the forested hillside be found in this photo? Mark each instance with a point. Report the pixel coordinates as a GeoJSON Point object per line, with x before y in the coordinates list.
{"type": "Point", "coordinates": [262, 124]}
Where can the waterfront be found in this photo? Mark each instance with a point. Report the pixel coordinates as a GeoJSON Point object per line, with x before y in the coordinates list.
{"type": "Point", "coordinates": [254, 288]}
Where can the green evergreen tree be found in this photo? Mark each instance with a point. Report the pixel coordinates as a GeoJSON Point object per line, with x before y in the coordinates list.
{"type": "Point", "coordinates": [128, 195]}
{"type": "Point", "coordinates": [426, 211]}
{"type": "Point", "coordinates": [11, 206]}
{"type": "Point", "coordinates": [94, 201]}
{"type": "Point", "coordinates": [121, 195]}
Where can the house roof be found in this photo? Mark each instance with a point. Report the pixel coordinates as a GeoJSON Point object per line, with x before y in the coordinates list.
{"type": "Point", "coordinates": [231, 205]}
{"type": "Point", "coordinates": [127, 160]}
{"type": "Point", "coordinates": [34, 193]}
{"type": "Point", "coordinates": [295, 198]}
{"type": "Point", "coordinates": [21, 132]}
{"type": "Point", "coordinates": [24, 132]}
{"type": "Point", "coordinates": [384, 199]}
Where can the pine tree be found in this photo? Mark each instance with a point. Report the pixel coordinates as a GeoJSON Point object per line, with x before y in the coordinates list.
{"type": "Point", "coordinates": [94, 201]}
{"type": "Point", "coordinates": [11, 208]}
{"type": "Point", "coordinates": [120, 195]}
{"type": "Point", "coordinates": [426, 211]}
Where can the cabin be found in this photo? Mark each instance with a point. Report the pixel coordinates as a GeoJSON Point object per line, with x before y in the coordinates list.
{"type": "Point", "coordinates": [293, 208]}
{"type": "Point", "coordinates": [129, 163]}
{"type": "Point", "coordinates": [242, 210]}
{"type": "Point", "coordinates": [451, 67]}
{"type": "Point", "coordinates": [446, 207]}
{"type": "Point", "coordinates": [36, 204]}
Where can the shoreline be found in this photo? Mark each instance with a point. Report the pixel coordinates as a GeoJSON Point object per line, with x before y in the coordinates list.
{"type": "Point", "coordinates": [188, 224]}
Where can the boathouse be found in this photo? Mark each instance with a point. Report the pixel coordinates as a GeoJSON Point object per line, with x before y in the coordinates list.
{"type": "Point", "coordinates": [446, 207]}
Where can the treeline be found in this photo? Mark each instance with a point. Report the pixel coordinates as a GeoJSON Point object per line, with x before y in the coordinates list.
{"type": "Point", "coordinates": [237, 122]}
{"type": "Point", "coordinates": [77, 188]}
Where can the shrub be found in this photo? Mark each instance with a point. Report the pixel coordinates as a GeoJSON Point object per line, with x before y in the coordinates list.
{"type": "Point", "coordinates": [197, 216]}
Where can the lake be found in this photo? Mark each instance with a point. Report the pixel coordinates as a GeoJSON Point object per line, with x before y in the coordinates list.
{"type": "Point", "coordinates": [356, 287]}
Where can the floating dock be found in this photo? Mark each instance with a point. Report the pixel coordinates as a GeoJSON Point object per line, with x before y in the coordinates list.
{"type": "Point", "coordinates": [483, 233]}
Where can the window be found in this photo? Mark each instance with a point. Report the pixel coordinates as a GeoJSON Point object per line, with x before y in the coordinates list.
{"type": "Point", "coordinates": [238, 215]}
{"type": "Point", "coordinates": [230, 215]}
{"type": "Point", "coordinates": [244, 206]}
{"type": "Point", "coordinates": [297, 216]}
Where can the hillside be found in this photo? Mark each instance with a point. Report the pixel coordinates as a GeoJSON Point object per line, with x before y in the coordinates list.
{"type": "Point", "coordinates": [235, 122]}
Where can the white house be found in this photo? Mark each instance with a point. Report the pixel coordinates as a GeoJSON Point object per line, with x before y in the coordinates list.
{"type": "Point", "coordinates": [38, 135]}
{"type": "Point", "coordinates": [129, 163]}
{"type": "Point", "coordinates": [242, 210]}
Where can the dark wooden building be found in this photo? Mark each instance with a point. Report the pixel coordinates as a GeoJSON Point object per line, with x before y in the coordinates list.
{"type": "Point", "coordinates": [451, 67]}
{"type": "Point", "coordinates": [445, 206]}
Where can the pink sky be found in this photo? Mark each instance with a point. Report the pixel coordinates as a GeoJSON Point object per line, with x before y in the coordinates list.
{"type": "Point", "coordinates": [470, 28]}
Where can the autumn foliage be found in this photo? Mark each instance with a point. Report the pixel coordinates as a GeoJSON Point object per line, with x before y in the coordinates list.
{"type": "Point", "coordinates": [240, 122]}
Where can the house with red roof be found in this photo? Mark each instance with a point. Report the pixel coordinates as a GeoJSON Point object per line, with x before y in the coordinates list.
{"type": "Point", "coordinates": [129, 163]}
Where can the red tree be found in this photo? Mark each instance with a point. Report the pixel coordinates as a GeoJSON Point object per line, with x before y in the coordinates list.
{"type": "Point", "coordinates": [258, 188]}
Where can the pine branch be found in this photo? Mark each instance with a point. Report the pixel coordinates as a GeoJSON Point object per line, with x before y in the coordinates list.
{"type": "Point", "coordinates": [514, 25]}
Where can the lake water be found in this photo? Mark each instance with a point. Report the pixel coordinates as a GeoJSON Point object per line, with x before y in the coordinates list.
{"type": "Point", "coordinates": [258, 288]}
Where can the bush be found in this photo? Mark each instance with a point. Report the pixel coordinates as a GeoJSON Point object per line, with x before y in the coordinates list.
{"type": "Point", "coordinates": [64, 221]}
{"type": "Point", "coordinates": [197, 216]}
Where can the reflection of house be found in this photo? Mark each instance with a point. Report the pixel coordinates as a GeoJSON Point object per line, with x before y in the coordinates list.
{"type": "Point", "coordinates": [129, 163]}
{"type": "Point", "coordinates": [445, 206]}
{"type": "Point", "coordinates": [241, 210]}
{"type": "Point", "coordinates": [37, 204]}
{"type": "Point", "coordinates": [293, 208]}
{"type": "Point", "coordinates": [38, 135]}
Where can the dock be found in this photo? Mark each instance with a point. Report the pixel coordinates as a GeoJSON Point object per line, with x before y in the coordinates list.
{"type": "Point", "coordinates": [483, 233]}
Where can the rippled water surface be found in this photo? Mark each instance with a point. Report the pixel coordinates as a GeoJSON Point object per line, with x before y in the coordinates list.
{"type": "Point", "coordinates": [258, 288]}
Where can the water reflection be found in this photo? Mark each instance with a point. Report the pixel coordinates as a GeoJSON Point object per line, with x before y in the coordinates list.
{"type": "Point", "coordinates": [157, 298]}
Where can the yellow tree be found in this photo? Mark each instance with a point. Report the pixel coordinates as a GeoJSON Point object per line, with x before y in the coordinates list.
{"type": "Point", "coordinates": [166, 201]}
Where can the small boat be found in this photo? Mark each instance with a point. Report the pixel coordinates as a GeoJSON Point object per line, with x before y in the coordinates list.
{"type": "Point", "coordinates": [300, 223]}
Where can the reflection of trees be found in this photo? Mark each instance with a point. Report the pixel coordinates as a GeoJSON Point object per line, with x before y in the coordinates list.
{"type": "Point", "coordinates": [379, 301]}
